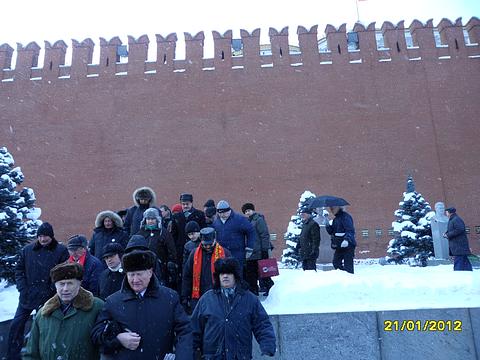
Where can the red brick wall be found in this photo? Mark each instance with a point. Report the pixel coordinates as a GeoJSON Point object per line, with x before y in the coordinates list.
{"type": "Point", "coordinates": [257, 134]}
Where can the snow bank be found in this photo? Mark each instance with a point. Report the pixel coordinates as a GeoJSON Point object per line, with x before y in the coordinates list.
{"type": "Point", "coordinates": [373, 288]}
{"type": "Point", "coordinates": [8, 301]}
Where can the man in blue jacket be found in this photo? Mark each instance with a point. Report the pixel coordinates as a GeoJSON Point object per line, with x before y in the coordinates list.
{"type": "Point", "coordinates": [226, 317]}
{"type": "Point", "coordinates": [342, 231]}
{"type": "Point", "coordinates": [457, 241]}
{"type": "Point", "coordinates": [92, 267]}
{"type": "Point", "coordinates": [32, 275]}
{"type": "Point", "coordinates": [234, 232]}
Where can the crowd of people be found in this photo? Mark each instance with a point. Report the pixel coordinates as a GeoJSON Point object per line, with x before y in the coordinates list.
{"type": "Point", "coordinates": [160, 283]}
{"type": "Point", "coordinates": [151, 283]}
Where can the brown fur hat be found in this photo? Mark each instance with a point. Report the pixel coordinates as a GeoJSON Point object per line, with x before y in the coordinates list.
{"type": "Point", "coordinates": [66, 271]}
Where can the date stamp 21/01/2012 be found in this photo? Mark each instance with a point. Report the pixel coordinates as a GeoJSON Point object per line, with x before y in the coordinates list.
{"type": "Point", "coordinates": [422, 325]}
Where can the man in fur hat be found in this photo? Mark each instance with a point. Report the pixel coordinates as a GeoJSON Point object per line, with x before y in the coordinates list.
{"type": "Point", "coordinates": [143, 199]}
{"type": "Point", "coordinates": [108, 229]}
{"type": "Point", "coordinates": [61, 329]}
{"type": "Point", "coordinates": [143, 320]}
{"type": "Point", "coordinates": [227, 334]}
{"type": "Point", "coordinates": [32, 275]}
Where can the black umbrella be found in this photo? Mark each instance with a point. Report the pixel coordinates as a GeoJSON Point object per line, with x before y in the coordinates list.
{"type": "Point", "coordinates": [326, 201]}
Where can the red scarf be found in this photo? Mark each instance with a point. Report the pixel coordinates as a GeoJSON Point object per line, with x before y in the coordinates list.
{"type": "Point", "coordinates": [81, 260]}
{"type": "Point", "coordinates": [218, 253]}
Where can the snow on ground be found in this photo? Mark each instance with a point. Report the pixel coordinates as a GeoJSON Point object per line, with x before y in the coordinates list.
{"type": "Point", "coordinates": [372, 288]}
{"type": "Point", "coordinates": [8, 301]}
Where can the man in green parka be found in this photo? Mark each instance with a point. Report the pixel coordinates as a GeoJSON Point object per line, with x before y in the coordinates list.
{"type": "Point", "coordinates": [61, 329]}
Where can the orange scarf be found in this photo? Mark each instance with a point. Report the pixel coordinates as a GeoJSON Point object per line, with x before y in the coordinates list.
{"type": "Point", "coordinates": [81, 260]}
{"type": "Point", "coordinates": [218, 253]}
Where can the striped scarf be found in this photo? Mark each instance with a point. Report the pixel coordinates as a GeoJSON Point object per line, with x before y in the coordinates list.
{"type": "Point", "coordinates": [218, 253]}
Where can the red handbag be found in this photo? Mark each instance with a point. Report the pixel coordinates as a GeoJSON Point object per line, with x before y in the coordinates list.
{"type": "Point", "coordinates": [267, 268]}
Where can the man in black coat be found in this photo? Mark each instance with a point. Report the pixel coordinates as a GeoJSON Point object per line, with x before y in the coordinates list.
{"type": "Point", "coordinates": [143, 198]}
{"type": "Point", "coordinates": [260, 249]}
{"type": "Point", "coordinates": [309, 240]}
{"type": "Point", "coordinates": [144, 320]}
{"type": "Point", "coordinates": [32, 275]}
{"type": "Point", "coordinates": [342, 232]}
{"type": "Point", "coordinates": [92, 267]}
{"type": "Point", "coordinates": [197, 272]}
{"type": "Point", "coordinates": [457, 241]}
{"type": "Point", "coordinates": [189, 213]}
{"type": "Point", "coordinates": [226, 316]}
{"type": "Point", "coordinates": [108, 229]}
{"type": "Point", "coordinates": [111, 279]}
{"type": "Point", "coordinates": [138, 242]}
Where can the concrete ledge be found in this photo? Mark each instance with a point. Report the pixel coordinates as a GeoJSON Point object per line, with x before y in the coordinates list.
{"type": "Point", "coordinates": [366, 335]}
{"type": "Point", "coordinates": [435, 262]}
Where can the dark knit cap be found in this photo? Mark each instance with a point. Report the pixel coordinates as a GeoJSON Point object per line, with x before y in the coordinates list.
{"type": "Point", "coordinates": [209, 203]}
{"type": "Point", "coordinates": [112, 249]}
{"type": "Point", "coordinates": [451, 210]}
{"type": "Point", "coordinates": [186, 197]}
{"type": "Point", "coordinates": [247, 206]}
{"type": "Point", "coordinates": [66, 271]}
{"type": "Point", "coordinates": [192, 226]}
{"type": "Point", "coordinates": [210, 211]}
{"type": "Point", "coordinates": [46, 230]}
{"type": "Point", "coordinates": [138, 260]}
{"type": "Point", "coordinates": [77, 241]}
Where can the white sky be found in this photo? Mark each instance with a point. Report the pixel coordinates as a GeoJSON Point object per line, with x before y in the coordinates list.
{"type": "Point", "coordinates": [27, 20]}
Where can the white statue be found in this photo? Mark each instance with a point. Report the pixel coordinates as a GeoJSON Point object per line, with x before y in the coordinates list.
{"type": "Point", "coordinates": [439, 227]}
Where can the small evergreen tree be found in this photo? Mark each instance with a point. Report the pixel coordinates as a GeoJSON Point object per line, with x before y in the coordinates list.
{"type": "Point", "coordinates": [290, 255]}
{"type": "Point", "coordinates": [18, 215]}
{"type": "Point", "coordinates": [413, 243]}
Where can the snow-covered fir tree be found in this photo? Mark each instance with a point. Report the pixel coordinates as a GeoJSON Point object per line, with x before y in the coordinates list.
{"type": "Point", "coordinates": [290, 255]}
{"type": "Point", "coordinates": [413, 243]}
{"type": "Point", "coordinates": [18, 215]}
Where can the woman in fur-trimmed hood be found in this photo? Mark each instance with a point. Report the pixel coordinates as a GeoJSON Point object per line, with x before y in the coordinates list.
{"type": "Point", "coordinates": [143, 198]}
{"type": "Point", "coordinates": [108, 229]}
